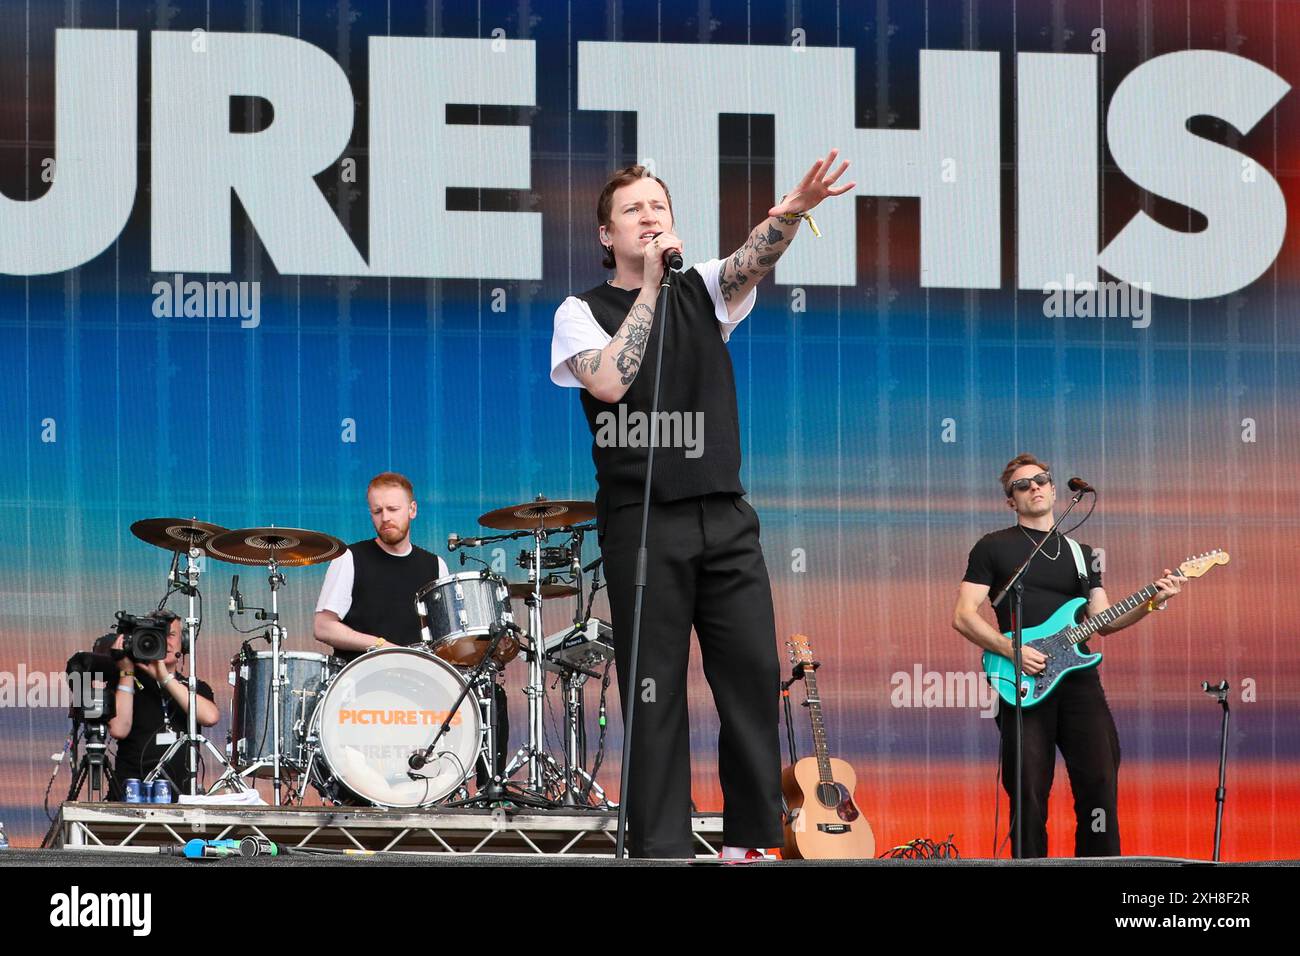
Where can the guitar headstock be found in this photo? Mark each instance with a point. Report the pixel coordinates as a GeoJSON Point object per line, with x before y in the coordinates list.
{"type": "Point", "coordinates": [1196, 566]}
{"type": "Point", "coordinates": [801, 654]}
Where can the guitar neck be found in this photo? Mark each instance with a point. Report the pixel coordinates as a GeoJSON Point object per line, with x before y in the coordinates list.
{"type": "Point", "coordinates": [818, 726]}
{"type": "Point", "coordinates": [1081, 632]}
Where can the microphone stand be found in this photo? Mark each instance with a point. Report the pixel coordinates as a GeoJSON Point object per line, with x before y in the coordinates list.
{"type": "Point", "coordinates": [629, 704]}
{"type": "Point", "coordinates": [1219, 692]}
{"type": "Point", "coordinates": [1017, 584]}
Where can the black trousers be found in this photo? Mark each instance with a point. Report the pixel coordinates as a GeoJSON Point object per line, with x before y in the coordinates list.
{"type": "Point", "coordinates": [705, 568]}
{"type": "Point", "coordinates": [1076, 719]}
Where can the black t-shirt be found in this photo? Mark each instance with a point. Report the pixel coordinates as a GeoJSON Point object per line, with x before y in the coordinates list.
{"type": "Point", "coordinates": [1048, 583]}
{"type": "Point", "coordinates": [154, 712]}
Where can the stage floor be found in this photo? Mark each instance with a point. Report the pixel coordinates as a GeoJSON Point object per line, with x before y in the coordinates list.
{"type": "Point", "coordinates": [149, 835]}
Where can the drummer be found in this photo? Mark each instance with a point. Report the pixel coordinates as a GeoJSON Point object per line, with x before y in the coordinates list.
{"type": "Point", "coordinates": [368, 598]}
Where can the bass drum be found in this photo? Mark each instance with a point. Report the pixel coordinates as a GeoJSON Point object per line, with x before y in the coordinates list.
{"type": "Point", "coordinates": [379, 710]}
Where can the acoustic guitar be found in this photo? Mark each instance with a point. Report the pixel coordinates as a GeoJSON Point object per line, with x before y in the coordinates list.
{"type": "Point", "coordinates": [823, 823]}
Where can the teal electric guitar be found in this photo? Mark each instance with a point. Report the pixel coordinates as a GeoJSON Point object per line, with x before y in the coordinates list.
{"type": "Point", "coordinates": [1058, 638]}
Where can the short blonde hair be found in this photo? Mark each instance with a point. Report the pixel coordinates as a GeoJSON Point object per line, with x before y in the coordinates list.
{"type": "Point", "coordinates": [391, 479]}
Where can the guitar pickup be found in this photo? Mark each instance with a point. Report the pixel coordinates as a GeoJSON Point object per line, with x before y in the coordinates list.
{"type": "Point", "coordinates": [834, 827]}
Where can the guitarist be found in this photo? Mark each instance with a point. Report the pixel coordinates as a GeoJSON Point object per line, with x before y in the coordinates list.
{"type": "Point", "coordinates": [1075, 717]}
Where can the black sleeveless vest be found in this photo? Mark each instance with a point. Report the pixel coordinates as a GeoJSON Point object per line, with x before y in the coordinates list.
{"type": "Point", "coordinates": [383, 592]}
{"type": "Point", "coordinates": [697, 378]}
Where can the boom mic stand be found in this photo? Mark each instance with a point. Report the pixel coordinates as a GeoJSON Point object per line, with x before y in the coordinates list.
{"type": "Point", "coordinates": [1017, 584]}
{"type": "Point", "coordinates": [629, 704]}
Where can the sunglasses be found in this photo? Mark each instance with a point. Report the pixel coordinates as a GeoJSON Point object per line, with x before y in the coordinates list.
{"type": "Point", "coordinates": [1022, 484]}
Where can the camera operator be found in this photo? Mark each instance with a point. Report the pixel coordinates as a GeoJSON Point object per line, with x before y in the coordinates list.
{"type": "Point", "coordinates": [152, 706]}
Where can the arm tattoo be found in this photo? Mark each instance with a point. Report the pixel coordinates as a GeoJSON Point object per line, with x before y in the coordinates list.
{"type": "Point", "coordinates": [584, 363]}
{"type": "Point", "coordinates": [756, 257]}
{"type": "Point", "coordinates": [635, 333]}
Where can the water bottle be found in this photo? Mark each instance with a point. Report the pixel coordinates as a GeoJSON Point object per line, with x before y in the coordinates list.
{"type": "Point", "coordinates": [4, 838]}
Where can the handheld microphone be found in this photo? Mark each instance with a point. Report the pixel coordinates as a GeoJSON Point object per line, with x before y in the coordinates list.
{"type": "Point", "coordinates": [672, 259]}
{"type": "Point", "coordinates": [1078, 484]}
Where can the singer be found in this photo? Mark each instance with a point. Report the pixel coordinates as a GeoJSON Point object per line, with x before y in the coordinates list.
{"type": "Point", "coordinates": [705, 564]}
{"type": "Point", "coordinates": [1076, 718]}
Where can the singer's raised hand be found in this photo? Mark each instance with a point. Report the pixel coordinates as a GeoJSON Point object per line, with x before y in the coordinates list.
{"type": "Point", "coordinates": [816, 185]}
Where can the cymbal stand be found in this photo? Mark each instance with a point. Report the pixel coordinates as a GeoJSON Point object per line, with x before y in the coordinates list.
{"type": "Point", "coordinates": [533, 752]}
{"type": "Point", "coordinates": [191, 739]}
{"type": "Point", "coordinates": [276, 635]}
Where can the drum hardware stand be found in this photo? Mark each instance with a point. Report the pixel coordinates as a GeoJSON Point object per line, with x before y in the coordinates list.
{"type": "Point", "coordinates": [577, 779]}
{"type": "Point", "coordinates": [494, 792]}
{"type": "Point", "coordinates": [192, 739]}
{"type": "Point", "coordinates": [532, 753]}
{"type": "Point", "coordinates": [275, 633]}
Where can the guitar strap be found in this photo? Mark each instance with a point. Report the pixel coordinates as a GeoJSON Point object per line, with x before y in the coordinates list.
{"type": "Point", "coordinates": [1079, 565]}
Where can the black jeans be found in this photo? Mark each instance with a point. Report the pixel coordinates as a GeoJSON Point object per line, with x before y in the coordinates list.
{"type": "Point", "coordinates": [1077, 719]}
{"type": "Point", "coordinates": [705, 568]}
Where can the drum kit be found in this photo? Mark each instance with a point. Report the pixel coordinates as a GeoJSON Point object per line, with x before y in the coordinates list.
{"type": "Point", "coordinates": [408, 726]}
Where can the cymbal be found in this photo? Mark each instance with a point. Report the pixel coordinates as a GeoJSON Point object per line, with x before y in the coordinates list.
{"type": "Point", "coordinates": [523, 589]}
{"type": "Point", "coordinates": [291, 546]}
{"type": "Point", "coordinates": [176, 534]}
{"type": "Point", "coordinates": [531, 514]}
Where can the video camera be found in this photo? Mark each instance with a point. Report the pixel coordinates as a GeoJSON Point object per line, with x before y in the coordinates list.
{"type": "Point", "coordinates": [92, 674]}
{"type": "Point", "coordinates": [144, 637]}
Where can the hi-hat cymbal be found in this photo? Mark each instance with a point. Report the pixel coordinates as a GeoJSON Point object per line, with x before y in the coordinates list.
{"type": "Point", "coordinates": [291, 546]}
{"type": "Point", "coordinates": [544, 513]}
{"type": "Point", "coordinates": [176, 534]}
{"type": "Point", "coordinates": [524, 589]}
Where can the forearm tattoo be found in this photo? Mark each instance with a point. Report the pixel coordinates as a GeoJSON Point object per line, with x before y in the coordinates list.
{"type": "Point", "coordinates": [635, 333]}
{"type": "Point", "coordinates": [757, 256]}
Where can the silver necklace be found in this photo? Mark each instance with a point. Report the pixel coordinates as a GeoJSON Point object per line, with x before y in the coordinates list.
{"type": "Point", "coordinates": [1049, 557]}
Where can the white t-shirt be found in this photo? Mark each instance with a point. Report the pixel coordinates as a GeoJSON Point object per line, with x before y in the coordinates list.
{"type": "Point", "coordinates": [336, 591]}
{"type": "Point", "coordinates": [576, 329]}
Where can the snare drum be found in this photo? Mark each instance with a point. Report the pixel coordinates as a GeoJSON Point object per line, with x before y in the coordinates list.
{"type": "Point", "coordinates": [458, 612]}
{"type": "Point", "coordinates": [250, 709]}
{"type": "Point", "coordinates": [379, 710]}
